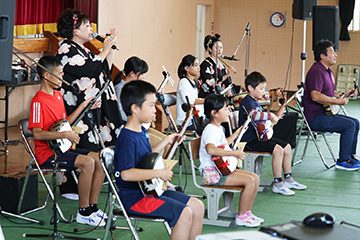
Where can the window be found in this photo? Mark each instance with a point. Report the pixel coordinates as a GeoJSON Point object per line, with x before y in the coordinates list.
{"type": "Point", "coordinates": [355, 23]}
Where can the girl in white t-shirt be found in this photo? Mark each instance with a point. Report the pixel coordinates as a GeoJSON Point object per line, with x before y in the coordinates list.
{"type": "Point", "coordinates": [213, 136]}
{"type": "Point", "coordinates": [188, 72]}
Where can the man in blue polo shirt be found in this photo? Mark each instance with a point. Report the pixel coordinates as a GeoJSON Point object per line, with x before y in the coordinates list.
{"type": "Point", "coordinates": [319, 91]}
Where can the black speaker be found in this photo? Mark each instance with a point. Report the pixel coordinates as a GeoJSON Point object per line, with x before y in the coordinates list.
{"type": "Point", "coordinates": [10, 191]}
{"type": "Point", "coordinates": [326, 24]}
{"type": "Point", "coordinates": [302, 9]}
{"type": "Point", "coordinates": [7, 11]}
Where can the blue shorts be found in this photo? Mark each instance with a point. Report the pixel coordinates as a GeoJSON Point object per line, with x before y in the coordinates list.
{"type": "Point", "coordinates": [168, 206]}
{"type": "Point", "coordinates": [65, 160]}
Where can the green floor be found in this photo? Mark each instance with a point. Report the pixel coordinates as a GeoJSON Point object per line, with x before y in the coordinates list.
{"type": "Point", "coordinates": [332, 191]}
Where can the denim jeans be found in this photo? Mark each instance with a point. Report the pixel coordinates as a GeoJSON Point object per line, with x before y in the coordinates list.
{"type": "Point", "coordinates": [348, 128]}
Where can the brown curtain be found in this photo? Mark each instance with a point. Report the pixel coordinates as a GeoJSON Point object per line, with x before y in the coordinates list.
{"type": "Point", "coordinates": [37, 16]}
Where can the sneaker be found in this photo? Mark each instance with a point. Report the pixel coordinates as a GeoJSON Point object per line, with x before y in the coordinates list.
{"type": "Point", "coordinates": [101, 214]}
{"type": "Point", "coordinates": [295, 185]}
{"type": "Point", "coordinates": [355, 161]}
{"type": "Point", "coordinates": [256, 218]}
{"type": "Point", "coordinates": [348, 165]}
{"type": "Point", "coordinates": [71, 196]}
{"type": "Point", "coordinates": [282, 189]}
{"type": "Point", "coordinates": [247, 222]}
{"type": "Point", "coordinates": [92, 220]}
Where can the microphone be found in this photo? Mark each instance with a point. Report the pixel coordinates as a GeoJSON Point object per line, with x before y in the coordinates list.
{"type": "Point", "coordinates": [248, 26]}
{"type": "Point", "coordinates": [185, 107]}
{"type": "Point", "coordinates": [160, 97]}
{"type": "Point", "coordinates": [232, 58]}
{"type": "Point", "coordinates": [101, 39]}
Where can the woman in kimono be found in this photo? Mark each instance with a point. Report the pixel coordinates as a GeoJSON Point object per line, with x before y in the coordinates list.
{"type": "Point", "coordinates": [87, 72]}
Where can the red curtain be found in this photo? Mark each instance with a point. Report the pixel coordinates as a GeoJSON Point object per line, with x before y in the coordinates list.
{"type": "Point", "coordinates": [35, 16]}
{"type": "Point", "coordinates": [90, 8]}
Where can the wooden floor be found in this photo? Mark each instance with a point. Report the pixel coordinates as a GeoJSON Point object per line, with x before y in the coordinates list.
{"type": "Point", "coordinates": [13, 157]}
{"type": "Point", "coordinates": [332, 191]}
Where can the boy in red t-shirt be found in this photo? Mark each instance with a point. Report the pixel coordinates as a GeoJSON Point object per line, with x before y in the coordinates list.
{"type": "Point", "coordinates": [47, 108]}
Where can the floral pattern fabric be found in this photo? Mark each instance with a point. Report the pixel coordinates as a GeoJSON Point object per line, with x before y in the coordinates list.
{"type": "Point", "coordinates": [86, 72]}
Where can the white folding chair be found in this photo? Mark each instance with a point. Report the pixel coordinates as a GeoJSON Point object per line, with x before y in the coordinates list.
{"type": "Point", "coordinates": [213, 193]}
{"type": "Point", "coordinates": [107, 158]}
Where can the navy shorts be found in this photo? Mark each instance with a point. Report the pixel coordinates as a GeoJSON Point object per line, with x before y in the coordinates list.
{"type": "Point", "coordinates": [264, 146]}
{"type": "Point", "coordinates": [168, 206]}
{"type": "Point", "coordinates": [65, 160]}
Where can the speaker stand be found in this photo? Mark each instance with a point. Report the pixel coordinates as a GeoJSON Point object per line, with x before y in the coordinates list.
{"type": "Point", "coordinates": [303, 54]}
{"type": "Point", "coordinates": [21, 217]}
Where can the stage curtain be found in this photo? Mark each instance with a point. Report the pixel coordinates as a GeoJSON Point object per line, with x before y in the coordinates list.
{"type": "Point", "coordinates": [37, 16]}
{"type": "Point", "coordinates": [346, 8]}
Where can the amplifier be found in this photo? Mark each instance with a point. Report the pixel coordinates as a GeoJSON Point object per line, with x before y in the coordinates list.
{"type": "Point", "coordinates": [10, 191]}
{"type": "Point", "coordinates": [19, 74]}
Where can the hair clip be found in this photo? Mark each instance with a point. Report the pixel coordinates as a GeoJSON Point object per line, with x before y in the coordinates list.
{"type": "Point", "coordinates": [75, 18]}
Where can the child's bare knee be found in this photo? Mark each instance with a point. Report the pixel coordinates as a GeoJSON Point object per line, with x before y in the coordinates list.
{"type": "Point", "coordinates": [278, 151]}
{"type": "Point", "coordinates": [186, 216]}
{"type": "Point", "coordinates": [86, 163]}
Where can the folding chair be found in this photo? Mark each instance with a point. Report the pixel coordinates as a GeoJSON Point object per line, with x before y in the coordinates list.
{"type": "Point", "coordinates": [107, 159]}
{"type": "Point", "coordinates": [304, 125]}
{"type": "Point", "coordinates": [213, 193]}
{"type": "Point", "coordinates": [34, 166]}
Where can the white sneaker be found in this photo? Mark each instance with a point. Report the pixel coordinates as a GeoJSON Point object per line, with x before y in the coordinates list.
{"type": "Point", "coordinates": [248, 222]}
{"type": "Point", "coordinates": [101, 214]}
{"type": "Point", "coordinates": [256, 218]}
{"type": "Point", "coordinates": [92, 220]}
{"type": "Point", "coordinates": [71, 196]}
{"type": "Point", "coordinates": [282, 189]}
{"type": "Point", "coordinates": [295, 185]}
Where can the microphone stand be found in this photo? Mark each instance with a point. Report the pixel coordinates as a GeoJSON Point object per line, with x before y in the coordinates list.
{"type": "Point", "coordinates": [17, 51]}
{"type": "Point", "coordinates": [109, 225]}
{"type": "Point", "coordinates": [247, 35]}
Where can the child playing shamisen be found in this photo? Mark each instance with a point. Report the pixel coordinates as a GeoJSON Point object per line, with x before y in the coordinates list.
{"type": "Point", "coordinates": [216, 111]}
{"type": "Point", "coordinates": [255, 84]}
{"type": "Point", "coordinates": [183, 213]}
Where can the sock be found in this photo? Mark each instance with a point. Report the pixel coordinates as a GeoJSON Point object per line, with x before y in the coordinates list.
{"type": "Point", "coordinates": [94, 207]}
{"type": "Point", "coordinates": [287, 175]}
{"type": "Point", "coordinates": [85, 211]}
{"type": "Point", "coordinates": [277, 180]}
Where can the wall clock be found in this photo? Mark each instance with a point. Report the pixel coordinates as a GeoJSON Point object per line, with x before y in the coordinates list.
{"type": "Point", "coordinates": [277, 19]}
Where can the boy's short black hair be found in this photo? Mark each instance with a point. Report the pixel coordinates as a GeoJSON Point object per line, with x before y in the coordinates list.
{"type": "Point", "coordinates": [213, 102]}
{"type": "Point", "coordinates": [49, 63]}
{"type": "Point", "coordinates": [321, 48]}
{"type": "Point", "coordinates": [254, 79]}
{"type": "Point", "coordinates": [135, 92]}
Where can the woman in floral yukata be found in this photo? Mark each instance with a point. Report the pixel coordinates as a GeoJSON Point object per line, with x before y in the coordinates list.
{"type": "Point", "coordinates": [88, 73]}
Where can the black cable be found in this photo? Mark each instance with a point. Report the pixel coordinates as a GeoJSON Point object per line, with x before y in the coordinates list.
{"type": "Point", "coordinates": [37, 228]}
{"type": "Point", "coordinates": [15, 222]}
